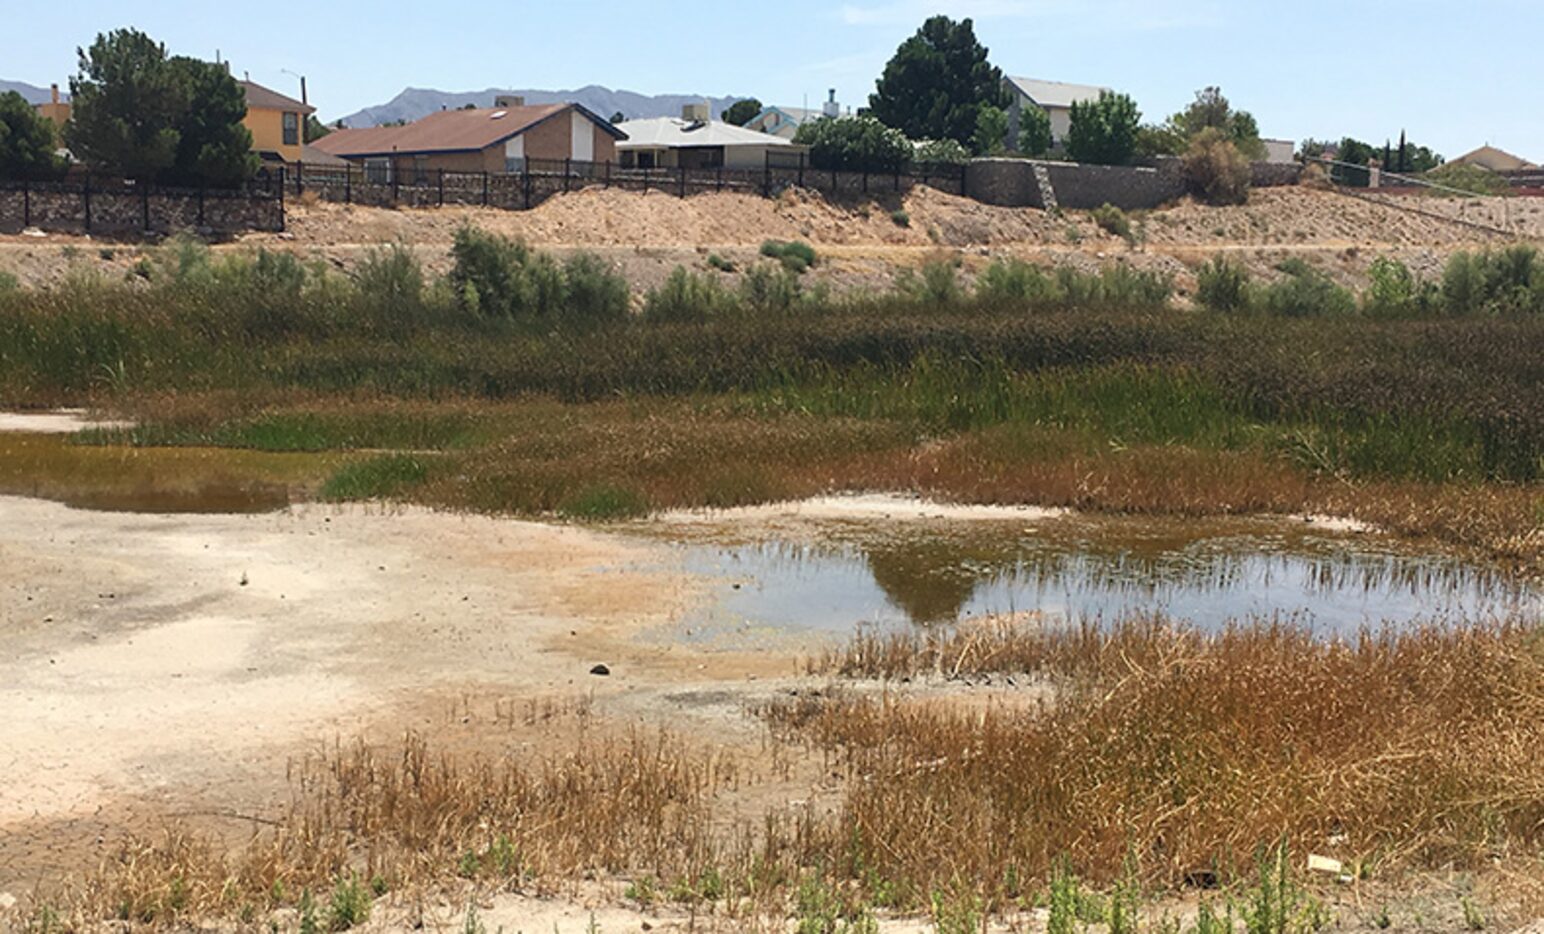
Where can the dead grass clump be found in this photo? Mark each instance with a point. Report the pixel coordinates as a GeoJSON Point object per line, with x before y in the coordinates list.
{"type": "Point", "coordinates": [1194, 751]}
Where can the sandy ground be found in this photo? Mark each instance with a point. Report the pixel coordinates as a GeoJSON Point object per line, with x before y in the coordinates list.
{"type": "Point", "coordinates": [646, 235]}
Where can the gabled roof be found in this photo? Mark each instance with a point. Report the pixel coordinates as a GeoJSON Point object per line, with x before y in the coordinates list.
{"type": "Point", "coordinates": [268, 99]}
{"type": "Point", "coordinates": [1490, 156]}
{"type": "Point", "coordinates": [675, 133]}
{"type": "Point", "coordinates": [1055, 93]}
{"type": "Point", "coordinates": [450, 131]}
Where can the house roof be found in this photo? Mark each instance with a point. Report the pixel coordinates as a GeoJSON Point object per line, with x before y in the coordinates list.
{"type": "Point", "coordinates": [268, 99]}
{"type": "Point", "coordinates": [310, 155]}
{"type": "Point", "coordinates": [450, 131]}
{"type": "Point", "coordinates": [1055, 93]}
{"type": "Point", "coordinates": [1491, 156]}
{"type": "Point", "coordinates": [675, 133]}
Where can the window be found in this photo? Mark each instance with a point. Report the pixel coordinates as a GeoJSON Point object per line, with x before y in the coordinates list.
{"type": "Point", "coordinates": [420, 170]}
{"type": "Point", "coordinates": [291, 129]}
{"type": "Point", "coordinates": [378, 170]}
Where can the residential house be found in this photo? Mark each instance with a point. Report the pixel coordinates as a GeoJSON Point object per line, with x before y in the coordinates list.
{"type": "Point", "coordinates": [785, 121]}
{"type": "Point", "coordinates": [1497, 160]}
{"type": "Point", "coordinates": [486, 139]}
{"type": "Point", "coordinates": [54, 109]}
{"type": "Point", "coordinates": [277, 123]}
{"type": "Point", "coordinates": [695, 141]}
{"type": "Point", "coordinates": [1053, 97]}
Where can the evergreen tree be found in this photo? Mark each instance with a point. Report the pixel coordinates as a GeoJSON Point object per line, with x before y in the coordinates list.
{"type": "Point", "coordinates": [26, 141]}
{"type": "Point", "coordinates": [937, 84]}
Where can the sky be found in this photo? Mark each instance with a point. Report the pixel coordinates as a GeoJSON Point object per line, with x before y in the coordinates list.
{"type": "Point", "coordinates": [1455, 75]}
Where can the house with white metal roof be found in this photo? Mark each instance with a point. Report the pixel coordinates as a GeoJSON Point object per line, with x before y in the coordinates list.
{"type": "Point", "coordinates": [1055, 98]}
{"type": "Point", "coordinates": [785, 121]}
{"type": "Point", "coordinates": [694, 141]}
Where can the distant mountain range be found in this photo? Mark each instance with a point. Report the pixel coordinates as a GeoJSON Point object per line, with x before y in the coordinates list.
{"type": "Point", "coordinates": [33, 93]}
{"type": "Point", "coordinates": [414, 103]}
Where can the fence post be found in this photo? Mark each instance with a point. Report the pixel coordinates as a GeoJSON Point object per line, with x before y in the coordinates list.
{"type": "Point", "coordinates": [719, 182]}
{"type": "Point", "coordinates": [567, 167]}
{"type": "Point", "coordinates": [865, 180]}
{"type": "Point", "coordinates": [682, 170]}
{"type": "Point", "coordinates": [201, 203]}
{"type": "Point", "coordinates": [86, 193]}
{"type": "Point", "coordinates": [144, 206]}
{"type": "Point", "coordinates": [395, 181]}
{"type": "Point", "coordinates": [766, 174]}
{"type": "Point", "coordinates": [526, 171]}
{"type": "Point", "coordinates": [485, 187]}
{"type": "Point", "coordinates": [801, 169]}
{"type": "Point", "coordinates": [348, 184]}
{"type": "Point", "coordinates": [442, 187]}
{"type": "Point", "coordinates": [281, 197]}
{"type": "Point", "coordinates": [26, 203]}
{"type": "Point", "coordinates": [300, 178]}
{"type": "Point", "coordinates": [608, 174]}
{"type": "Point", "coordinates": [897, 179]}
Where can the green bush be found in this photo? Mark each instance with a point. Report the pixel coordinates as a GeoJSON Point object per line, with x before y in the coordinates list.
{"type": "Point", "coordinates": [596, 292]}
{"type": "Point", "coordinates": [716, 261]}
{"type": "Point", "coordinates": [768, 287]}
{"type": "Point", "coordinates": [854, 144]}
{"type": "Point", "coordinates": [900, 218]}
{"type": "Point", "coordinates": [380, 477]}
{"type": "Point", "coordinates": [1104, 131]}
{"type": "Point", "coordinates": [687, 297]}
{"type": "Point", "coordinates": [1120, 286]}
{"type": "Point", "coordinates": [391, 281]}
{"type": "Point", "coordinates": [1222, 285]}
{"type": "Point", "coordinates": [1473, 179]}
{"type": "Point", "coordinates": [937, 285]}
{"type": "Point", "coordinates": [8, 282]}
{"type": "Point", "coordinates": [1112, 220]}
{"type": "Point", "coordinates": [1394, 292]}
{"type": "Point", "coordinates": [941, 152]}
{"type": "Point", "coordinates": [1015, 281]}
{"type": "Point", "coordinates": [1510, 281]}
{"type": "Point", "coordinates": [795, 255]}
{"type": "Point", "coordinates": [1215, 170]}
{"type": "Point", "coordinates": [1305, 292]}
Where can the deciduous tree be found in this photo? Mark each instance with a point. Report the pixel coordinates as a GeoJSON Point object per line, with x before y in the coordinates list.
{"type": "Point", "coordinates": [1104, 131]}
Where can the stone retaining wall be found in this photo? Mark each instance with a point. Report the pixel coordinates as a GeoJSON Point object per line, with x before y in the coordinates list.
{"type": "Point", "coordinates": [69, 208]}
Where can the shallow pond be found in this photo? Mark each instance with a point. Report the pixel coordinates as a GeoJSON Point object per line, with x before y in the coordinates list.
{"type": "Point", "coordinates": [832, 577]}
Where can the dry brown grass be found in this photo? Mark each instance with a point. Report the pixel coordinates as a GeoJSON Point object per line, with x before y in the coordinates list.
{"type": "Point", "coordinates": [1399, 750]}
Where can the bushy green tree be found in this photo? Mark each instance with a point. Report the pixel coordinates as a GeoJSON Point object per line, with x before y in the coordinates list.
{"type": "Point", "coordinates": [1215, 170]}
{"type": "Point", "coordinates": [1104, 131]}
{"type": "Point", "coordinates": [1034, 131]}
{"type": "Point", "coordinates": [941, 152]}
{"type": "Point", "coordinates": [141, 113]}
{"type": "Point", "coordinates": [855, 144]}
{"type": "Point", "coordinates": [1212, 111]}
{"type": "Point", "coordinates": [26, 141]}
{"type": "Point", "coordinates": [991, 131]}
{"type": "Point", "coordinates": [937, 83]}
{"type": "Point", "coordinates": [742, 112]}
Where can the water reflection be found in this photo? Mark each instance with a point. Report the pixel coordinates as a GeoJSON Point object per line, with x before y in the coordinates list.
{"type": "Point", "coordinates": [1207, 573]}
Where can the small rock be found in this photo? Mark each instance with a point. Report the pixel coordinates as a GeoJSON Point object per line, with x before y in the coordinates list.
{"type": "Point", "coordinates": [7, 901]}
{"type": "Point", "coordinates": [33, 232]}
{"type": "Point", "coordinates": [600, 670]}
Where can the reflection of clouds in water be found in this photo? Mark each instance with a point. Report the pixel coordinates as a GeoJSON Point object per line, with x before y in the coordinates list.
{"type": "Point", "coordinates": [923, 574]}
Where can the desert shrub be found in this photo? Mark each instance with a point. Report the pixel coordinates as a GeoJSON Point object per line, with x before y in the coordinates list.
{"type": "Point", "coordinates": [1509, 281]}
{"type": "Point", "coordinates": [941, 152]}
{"type": "Point", "coordinates": [900, 218]}
{"type": "Point", "coordinates": [8, 282]}
{"type": "Point", "coordinates": [1120, 286]}
{"type": "Point", "coordinates": [936, 285]}
{"type": "Point", "coordinates": [687, 297]}
{"type": "Point", "coordinates": [595, 292]}
{"type": "Point", "coordinates": [1223, 285]}
{"type": "Point", "coordinates": [391, 281]}
{"type": "Point", "coordinates": [488, 274]}
{"type": "Point", "coordinates": [1016, 281]}
{"type": "Point", "coordinates": [1112, 220]}
{"type": "Point", "coordinates": [768, 287]}
{"type": "Point", "coordinates": [1394, 292]}
{"type": "Point", "coordinates": [795, 255]}
{"type": "Point", "coordinates": [1215, 170]}
{"type": "Point", "coordinates": [716, 261]}
{"type": "Point", "coordinates": [1305, 292]}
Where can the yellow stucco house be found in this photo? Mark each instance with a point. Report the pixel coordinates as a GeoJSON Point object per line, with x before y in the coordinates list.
{"type": "Point", "coordinates": [277, 123]}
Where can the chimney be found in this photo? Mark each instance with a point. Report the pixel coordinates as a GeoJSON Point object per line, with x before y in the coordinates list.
{"type": "Point", "coordinates": [53, 91]}
{"type": "Point", "coordinates": [696, 113]}
{"type": "Point", "coordinates": [508, 100]}
{"type": "Point", "coordinates": [831, 107]}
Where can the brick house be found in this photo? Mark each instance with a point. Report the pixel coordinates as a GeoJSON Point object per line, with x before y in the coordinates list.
{"type": "Point", "coordinates": [487, 139]}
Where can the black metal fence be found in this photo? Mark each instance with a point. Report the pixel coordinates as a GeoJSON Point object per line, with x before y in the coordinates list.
{"type": "Point", "coordinates": [536, 180]}
{"type": "Point", "coordinates": [96, 204]}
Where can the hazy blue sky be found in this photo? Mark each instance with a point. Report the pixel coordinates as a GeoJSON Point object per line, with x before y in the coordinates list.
{"type": "Point", "coordinates": [1456, 74]}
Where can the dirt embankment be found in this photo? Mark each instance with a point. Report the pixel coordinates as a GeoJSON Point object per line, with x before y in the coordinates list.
{"type": "Point", "coordinates": [648, 234]}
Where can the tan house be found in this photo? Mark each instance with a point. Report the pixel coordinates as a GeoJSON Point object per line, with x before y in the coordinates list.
{"type": "Point", "coordinates": [1497, 160]}
{"type": "Point", "coordinates": [695, 141]}
{"type": "Point", "coordinates": [1054, 97]}
{"type": "Point", "coordinates": [487, 139]}
{"type": "Point", "coordinates": [277, 123]}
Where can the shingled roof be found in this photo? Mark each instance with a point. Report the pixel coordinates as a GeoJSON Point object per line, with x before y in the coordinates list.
{"type": "Point", "coordinates": [450, 131]}
{"type": "Point", "coordinates": [269, 99]}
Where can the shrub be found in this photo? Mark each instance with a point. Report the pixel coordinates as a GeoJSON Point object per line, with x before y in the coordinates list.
{"type": "Point", "coordinates": [795, 255]}
{"type": "Point", "coordinates": [595, 292]}
{"type": "Point", "coordinates": [382, 477]}
{"type": "Point", "coordinates": [8, 282]}
{"type": "Point", "coordinates": [937, 285]}
{"type": "Point", "coordinates": [687, 297]}
{"type": "Point", "coordinates": [941, 152]}
{"type": "Point", "coordinates": [1215, 170]}
{"type": "Point", "coordinates": [718, 262]}
{"type": "Point", "coordinates": [1394, 292]}
{"type": "Point", "coordinates": [1113, 220]}
{"type": "Point", "coordinates": [1222, 285]}
{"type": "Point", "coordinates": [1507, 282]}
{"type": "Point", "coordinates": [1473, 179]}
{"type": "Point", "coordinates": [1014, 280]}
{"type": "Point", "coordinates": [900, 218]}
{"type": "Point", "coordinates": [391, 281]}
{"type": "Point", "coordinates": [854, 144]}
{"type": "Point", "coordinates": [1306, 292]}
{"type": "Point", "coordinates": [1104, 132]}
{"type": "Point", "coordinates": [770, 288]}
{"type": "Point", "coordinates": [488, 274]}
{"type": "Point", "coordinates": [1120, 286]}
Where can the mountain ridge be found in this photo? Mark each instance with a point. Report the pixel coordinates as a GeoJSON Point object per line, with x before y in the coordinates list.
{"type": "Point", "coordinates": [416, 103]}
